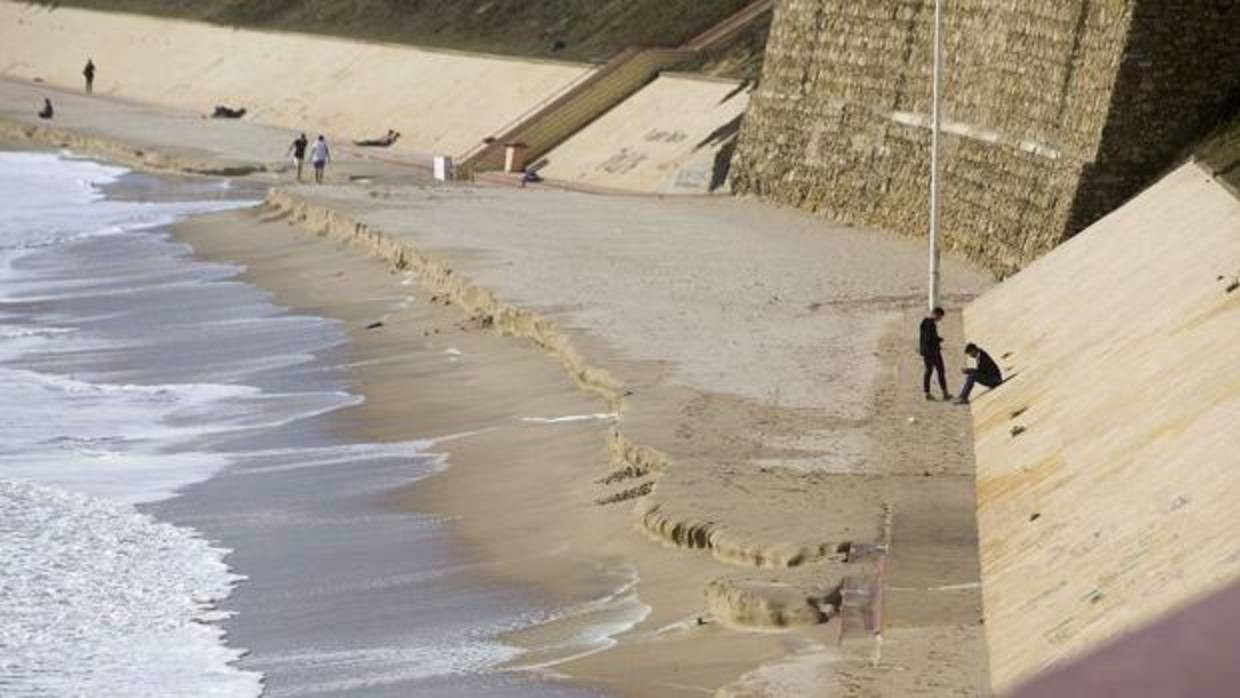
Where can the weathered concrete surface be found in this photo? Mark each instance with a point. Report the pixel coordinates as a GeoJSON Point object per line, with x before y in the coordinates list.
{"type": "Point", "coordinates": [1189, 654]}
{"type": "Point", "coordinates": [441, 102]}
{"type": "Point", "coordinates": [1055, 111]}
{"type": "Point", "coordinates": [1107, 464]}
{"type": "Point", "coordinates": [675, 136]}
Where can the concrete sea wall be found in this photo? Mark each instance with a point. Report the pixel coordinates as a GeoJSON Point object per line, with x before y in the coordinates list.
{"type": "Point", "coordinates": [1107, 464]}
{"type": "Point", "coordinates": [1055, 112]}
{"type": "Point", "coordinates": [674, 136]}
{"type": "Point", "coordinates": [442, 102]}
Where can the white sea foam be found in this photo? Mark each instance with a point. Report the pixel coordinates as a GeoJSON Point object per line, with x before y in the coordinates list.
{"type": "Point", "coordinates": [328, 456]}
{"type": "Point", "coordinates": [98, 600]}
{"type": "Point", "coordinates": [570, 418]}
{"type": "Point", "coordinates": [336, 671]}
{"type": "Point", "coordinates": [49, 200]}
{"type": "Point", "coordinates": [132, 442]}
{"type": "Point", "coordinates": [590, 626]}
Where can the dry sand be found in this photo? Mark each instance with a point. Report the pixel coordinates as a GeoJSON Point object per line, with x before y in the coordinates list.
{"type": "Point", "coordinates": [770, 436]}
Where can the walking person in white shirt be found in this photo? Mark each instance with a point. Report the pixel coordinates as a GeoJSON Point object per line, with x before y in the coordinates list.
{"type": "Point", "coordinates": [319, 155]}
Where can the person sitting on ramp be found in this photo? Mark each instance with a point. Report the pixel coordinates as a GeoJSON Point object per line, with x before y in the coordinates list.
{"type": "Point", "coordinates": [382, 142]}
{"type": "Point", "coordinates": [226, 112]}
{"type": "Point", "coordinates": [985, 372]}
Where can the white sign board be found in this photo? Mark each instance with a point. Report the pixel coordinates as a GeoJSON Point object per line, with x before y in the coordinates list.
{"type": "Point", "coordinates": [443, 168]}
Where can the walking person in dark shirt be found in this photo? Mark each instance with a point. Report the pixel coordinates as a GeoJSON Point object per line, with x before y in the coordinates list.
{"type": "Point", "coordinates": [298, 151]}
{"type": "Point", "coordinates": [986, 372]}
{"type": "Point", "coordinates": [930, 346]}
{"type": "Point", "coordinates": [89, 73]}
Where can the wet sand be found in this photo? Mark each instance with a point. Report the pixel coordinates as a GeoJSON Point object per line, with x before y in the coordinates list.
{"type": "Point", "coordinates": [516, 490]}
{"type": "Point", "coordinates": [523, 493]}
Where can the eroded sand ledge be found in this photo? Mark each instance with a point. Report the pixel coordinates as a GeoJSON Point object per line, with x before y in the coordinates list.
{"type": "Point", "coordinates": [631, 460]}
{"type": "Point", "coordinates": [775, 478]}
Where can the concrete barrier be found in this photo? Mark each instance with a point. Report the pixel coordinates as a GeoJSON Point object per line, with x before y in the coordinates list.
{"type": "Point", "coordinates": [1109, 462]}
{"type": "Point", "coordinates": [440, 101]}
{"type": "Point", "coordinates": [674, 136]}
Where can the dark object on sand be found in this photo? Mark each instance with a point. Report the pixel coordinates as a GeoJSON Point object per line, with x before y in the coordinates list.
{"type": "Point", "coordinates": [223, 112]}
{"type": "Point", "coordinates": [530, 177]}
{"type": "Point", "coordinates": [386, 140]}
{"type": "Point", "coordinates": [46, 112]}
{"type": "Point", "coordinates": [375, 325]}
{"type": "Point", "coordinates": [89, 73]}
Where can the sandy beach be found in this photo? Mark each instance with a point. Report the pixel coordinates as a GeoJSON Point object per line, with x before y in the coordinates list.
{"type": "Point", "coordinates": [713, 401]}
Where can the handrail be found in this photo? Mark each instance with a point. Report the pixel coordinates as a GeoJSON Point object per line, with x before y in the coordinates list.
{"type": "Point", "coordinates": [580, 79]}
{"type": "Point", "coordinates": [729, 26]}
{"type": "Point", "coordinates": [531, 118]}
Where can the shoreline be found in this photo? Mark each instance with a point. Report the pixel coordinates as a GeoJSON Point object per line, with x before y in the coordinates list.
{"type": "Point", "coordinates": [529, 544]}
{"type": "Point", "coordinates": [753, 571]}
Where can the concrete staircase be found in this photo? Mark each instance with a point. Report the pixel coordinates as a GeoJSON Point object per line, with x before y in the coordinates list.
{"type": "Point", "coordinates": [551, 123]}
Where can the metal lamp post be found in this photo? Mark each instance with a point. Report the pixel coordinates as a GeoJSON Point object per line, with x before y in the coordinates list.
{"type": "Point", "coordinates": [934, 159]}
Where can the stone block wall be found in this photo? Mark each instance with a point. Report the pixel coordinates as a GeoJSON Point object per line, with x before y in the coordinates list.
{"type": "Point", "coordinates": [1055, 111]}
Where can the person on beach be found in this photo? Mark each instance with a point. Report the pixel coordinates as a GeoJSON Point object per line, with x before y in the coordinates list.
{"type": "Point", "coordinates": [298, 151]}
{"type": "Point", "coordinates": [985, 371]}
{"type": "Point", "coordinates": [319, 156]}
{"type": "Point", "coordinates": [89, 73]}
{"type": "Point", "coordinates": [383, 141]}
{"type": "Point", "coordinates": [930, 346]}
{"type": "Point", "coordinates": [223, 111]}
{"type": "Point", "coordinates": [46, 112]}
{"type": "Point", "coordinates": [529, 176]}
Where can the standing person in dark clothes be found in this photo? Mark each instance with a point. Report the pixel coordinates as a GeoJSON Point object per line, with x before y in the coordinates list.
{"type": "Point", "coordinates": [89, 73]}
{"type": "Point", "coordinates": [298, 151]}
{"type": "Point", "coordinates": [986, 372]}
{"type": "Point", "coordinates": [930, 346]}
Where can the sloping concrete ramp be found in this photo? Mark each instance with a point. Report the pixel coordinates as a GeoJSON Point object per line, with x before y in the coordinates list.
{"type": "Point", "coordinates": [1109, 464]}
{"type": "Point", "coordinates": [674, 136]}
{"type": "Point", "coordinates": [442, 102]}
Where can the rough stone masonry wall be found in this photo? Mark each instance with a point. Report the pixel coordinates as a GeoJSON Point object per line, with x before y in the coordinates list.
{"type": "Point", "coordinates": [1035, 148]}
{"type": "Point", "coordinates": [1179, 76]}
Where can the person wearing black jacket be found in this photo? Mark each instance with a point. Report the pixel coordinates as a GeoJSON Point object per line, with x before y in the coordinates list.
{"type": "Point", "coordinates": [930, 346]}
{"type": "Point", "coordinates": [986, 372]}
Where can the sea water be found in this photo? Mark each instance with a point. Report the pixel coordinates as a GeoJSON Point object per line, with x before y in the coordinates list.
{"type": "Point", "coordinates": [96, 598]}
{"type": "Point", "coordinates": [177, 517]}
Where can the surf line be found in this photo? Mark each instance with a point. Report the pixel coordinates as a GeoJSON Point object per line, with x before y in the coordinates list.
{"type": "Point", "coordinates": [570, 418]}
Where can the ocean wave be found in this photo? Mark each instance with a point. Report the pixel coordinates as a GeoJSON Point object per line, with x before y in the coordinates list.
{"type": "Point", "coordinates": [100, 600]}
